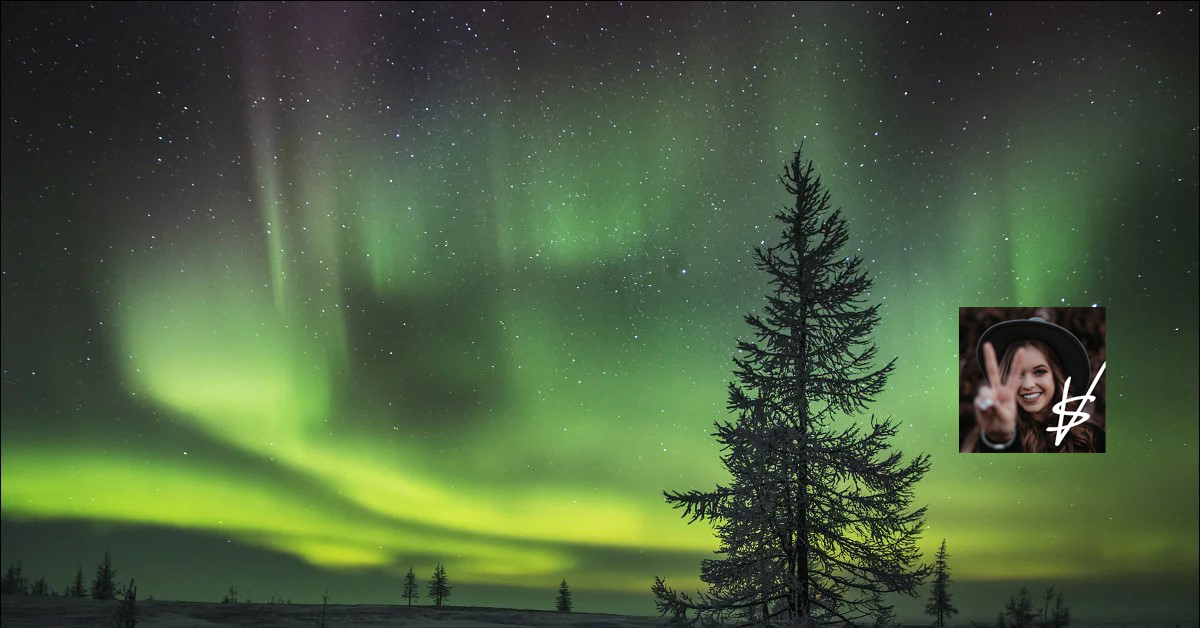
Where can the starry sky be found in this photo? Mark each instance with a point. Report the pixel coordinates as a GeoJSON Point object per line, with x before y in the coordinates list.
{"type": "Point", "coordinates": [298, 296]}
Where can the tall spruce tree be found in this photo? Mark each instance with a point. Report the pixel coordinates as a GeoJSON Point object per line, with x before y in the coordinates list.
{"type": "Point", "coordinates": [439, 586]}
{"type": "Point", "coordinates": [410, 586]}
{"type": "Point", "coordinates": [104, 587]}
{"type": "Point", "coordinates": [939, 606]}
{"type": "Point", "coordinates": [562, 603]}
{"type": "Point", "coordinates": [815, 523]}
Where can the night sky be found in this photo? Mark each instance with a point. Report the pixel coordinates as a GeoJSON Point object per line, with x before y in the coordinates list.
{"type": "Point", "coordinates": [298, 296]}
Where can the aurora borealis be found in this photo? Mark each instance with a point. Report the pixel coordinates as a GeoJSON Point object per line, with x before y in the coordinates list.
{"type": "Point", "coordinates": [296, 296]}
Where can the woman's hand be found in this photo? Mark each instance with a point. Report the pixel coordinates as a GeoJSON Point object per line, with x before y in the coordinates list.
{"type": "Point", "coordinates": [996, 403]}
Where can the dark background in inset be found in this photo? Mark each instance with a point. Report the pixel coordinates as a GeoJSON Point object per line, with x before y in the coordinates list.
{"type": "Point", "coordinates": [1087, 323]}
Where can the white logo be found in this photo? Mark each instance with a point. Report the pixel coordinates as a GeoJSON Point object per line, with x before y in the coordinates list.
{"type": "Point", "coordinates": [1078, 416]}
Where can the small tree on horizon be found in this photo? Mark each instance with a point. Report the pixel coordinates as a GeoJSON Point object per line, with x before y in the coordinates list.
{"type": "Point", "coordinates": [563, 603]}
{"type": "Point", "coordinates": [77, 589]}
{"type": "Point", "coordinates": [410, 587]}
{"type": "Point", "coordinates": [939, 606]}
{"type": "Point", "coordinates": [815, 524]}
{"type": "Point", "coordinates": [439, 586]}
{"type": "Point", "coordinates": [126, 615]}
{"type": "Point", "coordinates": [13, 581]}
{"type": "Point", "coordinates": [1057, 617]}
{"type": "Point", "coordinates": [1019, 610]}
{"type": "Point", "coordinates": [104, 586]}
{"type": "Point", "coordinates": [40, 587]}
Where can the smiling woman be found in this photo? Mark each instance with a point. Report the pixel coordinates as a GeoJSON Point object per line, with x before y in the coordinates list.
{"type": "Point", "coordinates": [1015, 408]}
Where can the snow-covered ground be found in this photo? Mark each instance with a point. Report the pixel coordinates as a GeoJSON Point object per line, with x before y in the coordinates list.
{"type": "Point", "coordinates": [19, 611]}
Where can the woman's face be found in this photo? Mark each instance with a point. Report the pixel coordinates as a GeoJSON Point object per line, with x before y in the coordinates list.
{"type": "Point", "coordinates": [1036, 389]}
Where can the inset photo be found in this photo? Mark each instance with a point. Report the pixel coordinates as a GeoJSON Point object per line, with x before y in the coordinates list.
{"type": "Point", "coordinates": [1031, 380]}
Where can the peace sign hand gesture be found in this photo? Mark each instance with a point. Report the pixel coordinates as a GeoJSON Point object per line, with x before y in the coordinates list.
{"type": "Point", "coordinates": [996, 403]}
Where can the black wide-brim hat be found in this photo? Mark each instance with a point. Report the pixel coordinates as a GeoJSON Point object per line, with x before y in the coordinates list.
{"type": "Point", "coordinates": [1071, 353]}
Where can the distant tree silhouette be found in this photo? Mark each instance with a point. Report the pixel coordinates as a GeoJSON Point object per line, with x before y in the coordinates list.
{"type": "Point", "coordinates": [40, 587]}
{"type": "Point", "coordinates": [126, 615]}
{"type": "Point", "coordinates": [77, 589]}
{"type": "Point", "coordinates": [563, 603]}
{"type": "Point", "coordinates": [939, 606]}
{"type": "Point", "coordinates": [230, 596]}
{"type": "Point", "coordinates": [104, 586]}
{"type": "Point", "coordinates": [13, 581]}
{"type": "Point", "coordinates": [1057, 617]}
{"type": "Point", "coordinates": [815, 523]}
{"type": "Point", "coordinates": [439, 586]}
{"type": "Point", "coordinates": [1020, 610]}
{"type": "Point", "coordinates": [410, 587]}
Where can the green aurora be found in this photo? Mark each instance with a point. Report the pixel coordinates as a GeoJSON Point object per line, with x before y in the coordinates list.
{"type": "Point", "coordinates": [313, 293]}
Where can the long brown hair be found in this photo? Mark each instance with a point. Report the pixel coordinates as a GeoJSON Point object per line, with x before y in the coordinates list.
{"type": "Point", "coordinates": [1034, 437]}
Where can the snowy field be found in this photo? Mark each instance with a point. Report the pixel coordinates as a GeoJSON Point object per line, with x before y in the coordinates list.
{"type": "Point", "coordinates": [21, 611]}
{"type": "Point", "coordinates": [17, 611]}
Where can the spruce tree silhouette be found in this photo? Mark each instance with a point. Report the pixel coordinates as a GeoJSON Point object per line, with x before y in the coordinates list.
{"type": "Point", "coordinates": [104, 586]}
{"type": "Point", "coordinates": [1019, 610]}
{"type": "Point", "coordinates": [814, 524]}
{"type": "Point", "coordinates": [439, 586]}
{"type": "Point", "coordinates": [77, 589]}
{"type": "Point", "coordinates": [126, 615]}
{"type": "Point", "coordinates": [13, 581]}
{"type": "Point", "coordinates": [410, 586]}
{"type": "Point", "coordinates": [1057, 616]}
{"type": "Point", "coordinates": [563, 603]}
{"type": "Point", "coordinates": [939, 606]}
